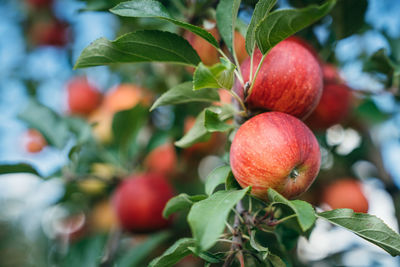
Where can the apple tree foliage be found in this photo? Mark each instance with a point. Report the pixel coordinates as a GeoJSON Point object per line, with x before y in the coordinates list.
{"type": "Point", "coordinates": [227, 224]}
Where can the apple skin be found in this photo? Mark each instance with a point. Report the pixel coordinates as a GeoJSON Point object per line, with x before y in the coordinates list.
{"type": "Point", "coordinates": [162, 159]}
{"type": "Point", "coordinates": [268, 149]}
{"type": "Point", "coordinates": [207, 53]}
{"type": "Point", "coordinates": [139, 202]}
{"type": "Point", "coordinates": [345, 193]}
{"type": "Point", "coordinates": [333, 107]}
{"type": "Point", "coordinates": [83, 98]}
{"type": "Point", "coordinates": [289, 81]}
{"type": "Point", "coordinates": [34, 141]}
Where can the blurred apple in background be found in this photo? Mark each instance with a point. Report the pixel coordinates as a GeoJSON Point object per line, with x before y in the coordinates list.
{"type": "Point", "coordinates": [34, 141]}
{"type": "Point", "coordinates": [345, 193]}
{"type": "Point", "coordinates": [162, 159]}
{"type": "Point", "coordinates": [83, 97]}
{"type": "Point", "coordinates": [140, 200]}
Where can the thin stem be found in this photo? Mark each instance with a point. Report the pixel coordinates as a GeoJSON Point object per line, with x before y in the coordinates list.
{"type": "Point", "coordinates": [251, 62]}
{"type": "Point", "coordinates": [255, 76]}
{"type": "Point", "coordinates": [285, 219]}
{"type": "Point", "coordinates": [238, 99]}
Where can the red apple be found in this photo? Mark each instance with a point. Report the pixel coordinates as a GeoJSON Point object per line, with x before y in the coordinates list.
{"type": "Point", "coordinates": [345, 193]}
{"type": "Point", "coordinates": [83, 97]}
{"type": "Point", "coordinates": [162, 159]}
{"type": "Point", "coordinates": [126, 96]}
{"type": "Point", "coordinates": [333, 107]}
{"type": "Point", "coordinates": [207, 53]}
{"type": "Point", "coordinates": [139, 201]}
{"type": "Point", "coordinates": [275, 150]}
{"type": "Point", "coordinates": [331, 74]}
{"type": "Point", "coordinates": [34, 141]}
{"type": "Point", "coordinates": [306, 45]}
{"type": "Point", "coordinates": [53, 33]}
{"type": "Point", "coordinates": [289, 80]}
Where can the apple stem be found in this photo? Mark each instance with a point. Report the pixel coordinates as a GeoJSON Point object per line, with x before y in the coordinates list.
{"type": "Point", "coordinates": [294, 173]}
{"type": "Point", "coordinates": [255, 75]}
{"type": "Point", "coordinates": [238, 99]}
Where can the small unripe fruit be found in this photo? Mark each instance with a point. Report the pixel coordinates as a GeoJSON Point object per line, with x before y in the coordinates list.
{"type": "Point", "coordinates": [162, 160]}
{"type": "Point", "coordinates": [345, 194]}
{"type": "Point", "coordinates": [34, 141]}
{"type": "Point", "coordinates": [289, 80]}
{"type": "Point", "coordinates": [275, 150]}
{"type": "Point", "coordinates": [207, 53]}
{"type": "Point", "coordinates": [83, 98]}
{"type": "Point", "coordinates": [333, 107]}
{"type": "Point", "coordinates": [139, 202]}
{"type": "Point", "coordinates": [102, 217]}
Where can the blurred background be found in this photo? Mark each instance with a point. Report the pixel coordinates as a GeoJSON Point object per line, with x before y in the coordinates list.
{"type": "Point", "coordinates": [41, 214]}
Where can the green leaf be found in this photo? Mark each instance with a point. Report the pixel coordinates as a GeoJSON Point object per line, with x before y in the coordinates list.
{"type": "Point", "coordinates": [380, 62]}
{"type": "Point", "coordinates": [227, 11]}
{"type": "Point", "coordinates": [47, 122]}
{"type": "Point", "coordinates": [231, 183]}
{"type": "Point", "coordinates": [213, 123]}
{"type": "Point", "coordinates": [85, 252]}
{"type": "Point", "coordinates": [199, 132]}
{"type": "Point", "coordinates": [220, 75]}
{"type": "Point", "coordinates": [275, 260]}
{"type": "Point", "coordinates": [17, 168]}
{"type": "Point", "coordinates": [207, 256]}
{"type": "Point", "coordinates": [348, 17]}
{"type": "Point", "coordinates": [181, 202]}
{"type": "Point", "coordinates": [184, 93]}
{"type": "Point", "coordinates": [207, 217]}
{"type": "Point", "coordinates": [126, 124]}
{"type": "Point", "coordinates": [135, 256]}
{"type": "Point", "coordinates": [304, 212]}
{"type": "Point", "coordinates": [281, 24]}
{"type": "Point", "coordinates": [140, 46]}
{"type": "Point", "coordinates": [196, 134]}
{"type": "Point", "coordinates": [174, 254]}
{"type": "Point", "coordinates": [261, 11]}
{"type": "Point", "coordinates": [216, 177]}
{"type": "Point", "coordinates": [367, 226]}
{"type": "Point", "coordinates": [154, 9]}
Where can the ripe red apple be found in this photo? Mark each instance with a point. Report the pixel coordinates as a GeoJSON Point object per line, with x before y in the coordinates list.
{"type": "Point", "coordinates": [345, 193]}
{"type": "Point", "coordinates": [34, 141]}
{"type": "Point", "coordinates": [53, 33]}
{"type": "Point", "coordinates": [162, 159]}
{"type": "Point", "coordinates": [139, 201]}
{"type": "Point", "coordinates": [275, 150]}
{"type": "Point", "coordinates": [207, 53]}
{"type": "Point", "coordinates": [289, 80]}
{"type": "Point", "coordinates": [240, 47]}
{"type": "Point", "coordinates": [333, 107]}
{"type": "Point", "coordinates": [83, 97]}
